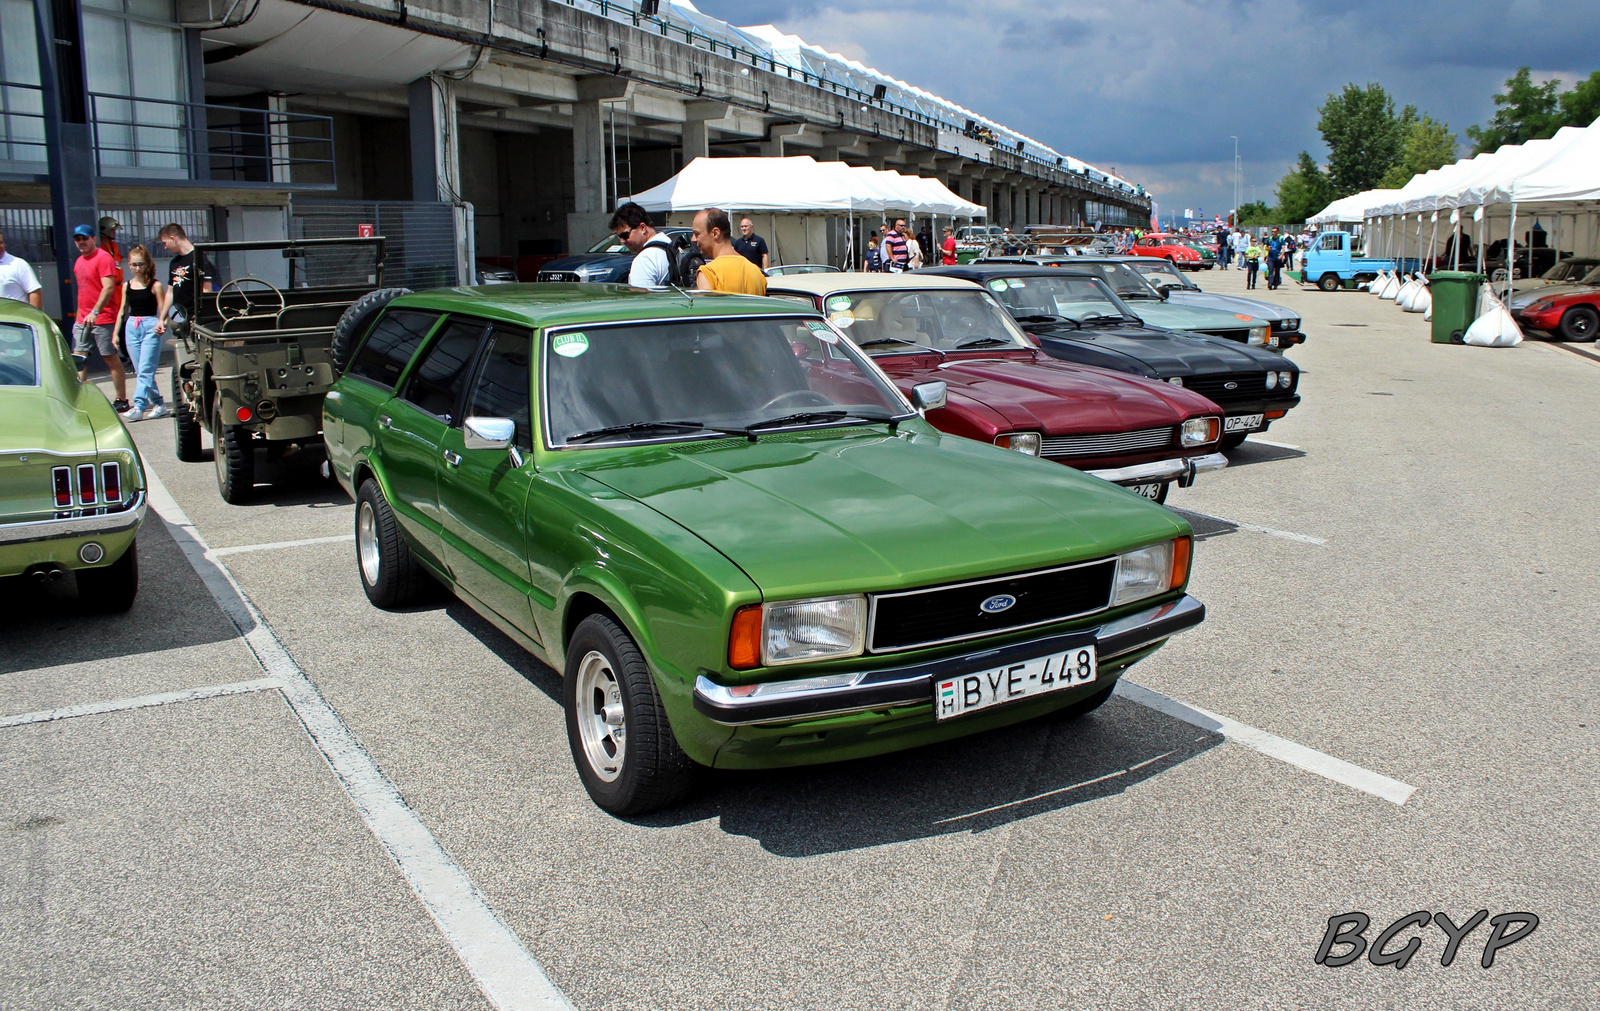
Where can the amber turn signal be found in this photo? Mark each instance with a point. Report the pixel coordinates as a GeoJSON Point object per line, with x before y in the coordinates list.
{"type": "Point", "coordinates": [744, 641]}
{"type": "Point", "coordinates": [1182, 548]}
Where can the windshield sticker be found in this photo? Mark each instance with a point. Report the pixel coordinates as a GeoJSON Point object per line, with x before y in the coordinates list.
{"type": "Point", "coordinates": [569, 345]}
{"type": "Point", "coordinates": [839, 302]}
{"type": "Point", "coordinates": [843, 319]}
{"type": "Point", "coordinates": [998, 284]}
{"type": "Point", "coordinates": [823, 331]}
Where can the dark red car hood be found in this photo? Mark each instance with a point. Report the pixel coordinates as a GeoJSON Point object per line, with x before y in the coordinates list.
{"type": "Point", "coordinates": [1027, 391]}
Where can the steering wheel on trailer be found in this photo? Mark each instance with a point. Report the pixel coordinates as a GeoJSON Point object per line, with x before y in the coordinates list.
{"type": "Point", "coordinates": [249, 307]}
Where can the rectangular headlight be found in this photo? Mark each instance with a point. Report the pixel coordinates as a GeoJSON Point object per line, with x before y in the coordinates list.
{"type": "Point", "coordinates": [824, 628]}
{"type": "Point", "coordinates": [1021, 442]}
{"type": "Point", "coordinates": [1199, 431]}
{"type": "Point", "coordinates": [1258, 335]}
{"type": "Point", "coordinates": [1143, 573]}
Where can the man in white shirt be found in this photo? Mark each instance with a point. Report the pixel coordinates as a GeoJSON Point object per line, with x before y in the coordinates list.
{"type": "Point", "coordinates": [17, 279]}
{"type": "Point", "coordinates": [652, 261]}
{"type": "Point", "coordinates": [1241, 242]}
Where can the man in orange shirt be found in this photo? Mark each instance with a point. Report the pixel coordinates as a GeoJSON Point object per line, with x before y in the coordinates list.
{"type": "Point", "coordinates": [725, 269]}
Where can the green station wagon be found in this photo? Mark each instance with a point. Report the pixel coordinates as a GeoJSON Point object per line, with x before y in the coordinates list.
{"type": "Point", "coordinates": [741, 545]}
{"type": "Point", "coordinates": [72, 491]}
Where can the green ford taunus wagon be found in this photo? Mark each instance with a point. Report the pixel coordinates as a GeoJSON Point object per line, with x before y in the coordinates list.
{"type": "Point", "coordinates": [741, 545]}
{"type": "Point", "coordinates": [71, 484]}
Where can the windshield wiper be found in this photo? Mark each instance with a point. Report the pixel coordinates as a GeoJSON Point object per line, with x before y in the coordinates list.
{"type": "Point", "coordinates": [900, 340]}
{"type": "Point", "coordinates": [1047, 319]}
{"type": "Point", "coordinates": [646, 426]}
{"type": "Point", "coordinates": [802, 417]}
{"type": "Point", "coordinates": [981, 342]}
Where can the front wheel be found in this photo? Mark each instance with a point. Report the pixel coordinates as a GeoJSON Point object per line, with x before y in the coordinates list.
{"type": "Point", "coordinates": [1581, 323]}
{"type": "Point", "coordinates": [617, 727]}
{"type": "Point", "coordinates": [110, 590]}
{"type": "Point", "coordinates": [1233, 441]}
{"type": "Point", "coordinates": [234, 449]}
{"type": "Point", "coordinates": [390, 574]}
{"type": "Point", "coordinates": [1329, 282]}
{"type": "Point", "coordinates": [185, 426]}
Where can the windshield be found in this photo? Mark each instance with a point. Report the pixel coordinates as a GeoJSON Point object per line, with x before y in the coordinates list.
{"type": "Point", "coordinates": [697, 378]}
{"type": "Point", "coordinates": [1076, 298]}
{"type": "Point", "coordinates": [1123, 279]}
{"type": "Point", "coordinates": [898, 321]}
{"type": "Point", "coordinates": [612, 244]}
{"type": "Point", "coordinates": [18, 366]}
{"type": "Point", "coordinates": [1592, 277]}
{"type": "Point", "coordinates": [1159, 272]}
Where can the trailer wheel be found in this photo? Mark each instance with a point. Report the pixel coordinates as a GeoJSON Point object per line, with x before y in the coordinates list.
{"type": "Point", "coordinates": [353, 324]}
{"type": "Point", "coordinates": [185, 426]}
{"type": "Point", "coordinates": [1329, 282]}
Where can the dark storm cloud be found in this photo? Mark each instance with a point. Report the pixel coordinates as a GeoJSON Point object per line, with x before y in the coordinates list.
{"type": "Point", "coordinates": [1157, 88]}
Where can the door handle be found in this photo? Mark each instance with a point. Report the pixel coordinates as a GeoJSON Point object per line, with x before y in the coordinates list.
{"type": "Point", "coordinates": [452, 459]}
{"type": "Point", "coordinates": [384, 421]}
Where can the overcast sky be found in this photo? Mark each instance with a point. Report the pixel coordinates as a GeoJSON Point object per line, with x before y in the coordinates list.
{"type": "Point", "coordinates": [1156, 89]}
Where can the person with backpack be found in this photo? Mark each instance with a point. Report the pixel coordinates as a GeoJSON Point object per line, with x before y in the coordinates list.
{"type": "Point", "coordinates": [654, 255]}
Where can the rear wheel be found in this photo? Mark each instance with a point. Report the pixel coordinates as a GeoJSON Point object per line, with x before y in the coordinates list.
{"type": "Point", "coordinates": [1328, 282]}
{"type": "Point", "coordinates": [110, 590]}
{"type": "Point", "coordinates": [1233, 441]}
{"type": "Point", "coordinates": [234, 449]}
{"type": "Point", "coordinates": [185, 426]}
{"type": "Point", "coordinates": [616, 725]}
{"type": "Point", "coordinates": [1581, 323]}
{"type": "Point", "coordinates": [390, 574]}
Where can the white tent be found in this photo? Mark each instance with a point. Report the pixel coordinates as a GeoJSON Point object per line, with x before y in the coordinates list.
{"type": "Point", "coordinates": [763, 185]}
{"type": "Point", "coordinates": [1350, 210]}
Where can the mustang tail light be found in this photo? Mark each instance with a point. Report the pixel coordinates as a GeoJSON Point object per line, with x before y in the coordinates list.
{"type": "Point", "coordinates": [111, 482]}
{"type": "Point", "coordinates": [86, 485]}
{"type": "Point", "coordinates": [62, 477]}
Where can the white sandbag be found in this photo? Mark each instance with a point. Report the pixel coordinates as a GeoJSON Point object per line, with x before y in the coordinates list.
{"type": "Point", "coordinates": [1375, 286]}
{"type": "Point", "coordinates": [1410, 293]}
{"type": "Point", "coordinates": [1404, 291]}
{"type": "Point", "coordinates": [1495, 328]}
{"type": "Point", "coordinates": [1421, 300]}
{"type": "Point", "coordinates": [1390, 287]}
{"type": "Point", "coordinates": [1427, 317]}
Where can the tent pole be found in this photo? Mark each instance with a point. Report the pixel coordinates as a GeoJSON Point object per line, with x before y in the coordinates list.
{"type": "Point", "coordinates": [1455, 243]}
{"type": "Point", "coordinates": [1511, 240]}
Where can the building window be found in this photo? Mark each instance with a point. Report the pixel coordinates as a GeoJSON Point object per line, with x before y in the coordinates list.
{"type": "Point", "coordinates": [138, 84]}
{"type": "Point", "coordinates": [21, 102]}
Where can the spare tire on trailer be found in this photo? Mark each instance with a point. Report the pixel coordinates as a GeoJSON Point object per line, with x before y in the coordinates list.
{"type": "Point", "coordinates": [356, 319]}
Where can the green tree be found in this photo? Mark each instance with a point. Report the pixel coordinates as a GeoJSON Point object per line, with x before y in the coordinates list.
{"type": "Point", "coordinates": [1363, 134]}
{"type": "Point", "coordinates": [1524, 111]}
{"type": "Point", "coordinates": [1303, 191]}
{"type": "Point", "coordinates": [1429, 145]}
{"type": "Point", "coordinates": [1581, 105]}
{"type": "Point", "coordinates": [1256, 212]}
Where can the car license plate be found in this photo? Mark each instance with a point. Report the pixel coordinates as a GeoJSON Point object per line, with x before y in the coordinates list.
{"type": "Point", "coordinates": [1241, 423]}
{"type": "Point", "coordinates": [1149, 491]}
{"type": "Point", "coordinates": [1014, 682]}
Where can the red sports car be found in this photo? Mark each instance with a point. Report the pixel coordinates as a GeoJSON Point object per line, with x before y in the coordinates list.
{"type": "Point", "coordinates": [1173, 248]}
{"type": "Point", "coordinates": [1140, 433]}
{"type": "Point", "coordinates": [1568, 316]}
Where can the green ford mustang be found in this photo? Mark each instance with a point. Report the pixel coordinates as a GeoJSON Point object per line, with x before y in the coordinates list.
{"type": "Point", "coordinates": [71, 483]}
{"type": "Point", "coordinates": [741, 545]}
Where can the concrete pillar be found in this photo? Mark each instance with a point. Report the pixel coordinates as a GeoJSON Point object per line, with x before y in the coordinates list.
{"type": "Point", "coordinates": [68, 134]}
{"type": "Point", "coordinates": [589, 157]}
{"type": "Point", "coordinates": [698, 117]}
{"type": "Point", "coordinates": [278, 136]}
{"type": "Point", "coordinates": [782, 133]}
{"type": "Point", "coordinates": [435, 140]}
{"type": "Point", "coordinates": [837, 143]}
{"type": "Point", "coordinates": [1080, 211]}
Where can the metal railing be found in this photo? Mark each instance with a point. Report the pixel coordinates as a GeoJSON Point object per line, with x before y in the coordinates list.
{"type": "Point", "coordinates": [153, 138]}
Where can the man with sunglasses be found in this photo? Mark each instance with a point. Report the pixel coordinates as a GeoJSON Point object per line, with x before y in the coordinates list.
{"type": "Point", "coordinates": [652, 261]}
{"type": "Point", "coordinates": [94, 272]}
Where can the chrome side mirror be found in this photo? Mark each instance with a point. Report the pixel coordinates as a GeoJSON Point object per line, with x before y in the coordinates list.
{"type": "Point", "coordinates": [929, 396]}
{"type": "Point", "coordinates": [488, 433]}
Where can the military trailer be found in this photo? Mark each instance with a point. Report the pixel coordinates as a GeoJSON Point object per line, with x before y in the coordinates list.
{"type": "Point", "coordinates": [256, 357]}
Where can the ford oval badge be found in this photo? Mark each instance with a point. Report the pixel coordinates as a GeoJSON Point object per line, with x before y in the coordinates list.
{"type": "Point", "coordinates": [1230, 386]}
{"type": "Point", "coordinates": [997, 603]}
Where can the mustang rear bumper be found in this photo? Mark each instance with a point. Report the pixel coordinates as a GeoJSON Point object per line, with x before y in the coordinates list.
{"type": "Point", "coordinates": [1180, 469]}
{"type": "Point", "coordinates": [834, 694]}
{"type": "Point", "coordinates": [101, 524]}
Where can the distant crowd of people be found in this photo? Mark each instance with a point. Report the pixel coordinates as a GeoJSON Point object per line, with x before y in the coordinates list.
{"type": "Point", "coordinates": [901, 249]}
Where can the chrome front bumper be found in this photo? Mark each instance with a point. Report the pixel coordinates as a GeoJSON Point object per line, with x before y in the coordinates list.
{"type": "Point", "coordinates": [92, 525]}
{"type": "Point", "coordinates": [836, 694]}
{"type": "Point", "coordinates": [1180, 469]}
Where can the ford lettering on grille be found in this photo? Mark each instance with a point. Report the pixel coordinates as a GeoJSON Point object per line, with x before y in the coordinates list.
{"type": "Point", "coordinates": [997, 603]}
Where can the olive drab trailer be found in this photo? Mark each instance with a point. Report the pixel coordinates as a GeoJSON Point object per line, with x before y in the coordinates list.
{"type": "Point", "coordinates": [256, 357]}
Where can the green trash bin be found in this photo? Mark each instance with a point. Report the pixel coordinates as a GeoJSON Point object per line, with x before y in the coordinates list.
{"type": "Point", "coordinates": [1455, 303]}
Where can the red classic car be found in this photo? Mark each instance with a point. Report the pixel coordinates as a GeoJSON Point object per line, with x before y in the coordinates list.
{"type": "Point", "coordinates": [1140, 433]}
{"type": "Point", "coordinates": [1566, 314]}
{"type": "Point", "coordinates": [1174, 248]}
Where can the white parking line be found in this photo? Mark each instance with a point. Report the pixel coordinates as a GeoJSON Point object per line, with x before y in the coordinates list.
{"type": "Point", "coordinates": [1269, 442]}
{"type": "Point", "coordinates": [275, 545]}
{"type": "Point", "coordinates": [141, 702]}
{"type": "Point", "coordinates": [1298, 755]}
{"type": "Point", "coordinates": [509, 976]}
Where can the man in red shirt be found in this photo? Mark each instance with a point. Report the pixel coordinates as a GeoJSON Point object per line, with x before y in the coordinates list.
{"type": "Point", "coordinates": [948, 247]}
{"type": "Point", "coordinates": [96, 276]}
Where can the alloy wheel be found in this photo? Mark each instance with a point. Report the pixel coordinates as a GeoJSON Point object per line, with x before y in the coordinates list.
{"type": "Point", "coordinates": [367, 543]}
{"type": "Point", "coordinates": [602, 726]}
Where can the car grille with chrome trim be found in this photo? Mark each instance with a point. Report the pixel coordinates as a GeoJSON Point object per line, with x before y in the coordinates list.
{"type": "Point", "coordinates": [1246, 386]}
{"type": "Point", "coordinates": [950, 613]}
{"type": "Point", "coordinates": [1106, 444]}
{"type": "Point", "coordinates": [559, 275]}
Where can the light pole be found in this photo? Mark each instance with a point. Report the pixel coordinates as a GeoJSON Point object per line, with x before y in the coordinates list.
{"type": "Point", "coordinates": [1236, 182]}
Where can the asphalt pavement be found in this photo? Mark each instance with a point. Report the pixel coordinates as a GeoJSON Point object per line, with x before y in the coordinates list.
{"type": "Point", "coordinates": [1401, 592]}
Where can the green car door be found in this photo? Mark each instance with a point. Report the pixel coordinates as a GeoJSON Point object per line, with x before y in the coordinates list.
{"type": "Point", "coordinates": [412, 427]}
{"type": "Point", "coordinates": [483, 492]}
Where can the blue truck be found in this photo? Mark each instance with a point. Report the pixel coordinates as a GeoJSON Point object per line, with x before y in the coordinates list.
{"type": "Point", "coordinates": [1331, 263]}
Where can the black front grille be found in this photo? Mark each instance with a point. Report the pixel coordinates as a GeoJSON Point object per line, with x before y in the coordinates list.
{"type": "Point", "coordinates": [948, 613]}
{"type": "Point", "coordinates": [558, 275]}
{"type": "Point", "coordinates": [1246, 386]}
{"type": "Point", "coordinates": [1240, 334]}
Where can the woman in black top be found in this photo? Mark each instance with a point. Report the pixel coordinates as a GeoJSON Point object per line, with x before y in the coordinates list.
{"type": "Point", "coordinates": [142, 298]}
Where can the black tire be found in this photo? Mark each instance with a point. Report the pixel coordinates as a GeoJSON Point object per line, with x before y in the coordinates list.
{"type": "Point", "coordinates": [1329, 282]}
{"type": "Point", "coordinates": [651, 771]}
{"type": "Point", "coordinates": [1581, 323]}
{"type": "Point", "coordinates": [1083, 707]}
{"type": "Point", "coordinates": [1233, 441]}
{"type": "Point", "coordinates": [1161, 496]}
{"type": "Point", "coordinates": [111, 588]}
{"type": "Point", "coordinates": [390, 574]}
{"type": "Point", "coordinates": [234, 448]}
{"type": "Point", "coordinates": [353, 324]}
{"type": "Point", "coordinates": [185, 426]}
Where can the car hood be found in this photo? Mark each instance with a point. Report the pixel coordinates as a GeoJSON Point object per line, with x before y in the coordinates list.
{"type": "Point", "coordinates": [1229, 304]}
{"type": "Point", "coordinates": [856, 510]}
{"type": "Point", "coordinates": [1522, 299]}
{"type": "Point", "coordinates": [1036, 394]}
{"type": "Point", "coordinates": [1172, 353]}
{"type": "Point", "coordinates": [1189, 317]}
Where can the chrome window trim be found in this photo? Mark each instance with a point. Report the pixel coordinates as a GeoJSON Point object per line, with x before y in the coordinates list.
{"type": "Point", "coordinates": [873, 598]}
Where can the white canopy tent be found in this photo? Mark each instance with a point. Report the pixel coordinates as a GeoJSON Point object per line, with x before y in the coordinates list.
{"type": "Point", "coordinates": [1350, 210]}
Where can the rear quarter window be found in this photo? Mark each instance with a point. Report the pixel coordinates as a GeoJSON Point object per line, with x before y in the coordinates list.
{"type": "Point", "coordinates": [390, 345]}
{"type": "Point", "coordinates": [19, 364]}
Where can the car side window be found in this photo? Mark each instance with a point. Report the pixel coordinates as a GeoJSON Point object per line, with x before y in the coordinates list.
{"type": "Point", "coordinates": [394, 339]}
{"type": "Point", "coordinates": [504, 381]}
{"type": "Point", "coordinates": [1333, 242]}
{"type": "Point", "coordinates": [441, 373]}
